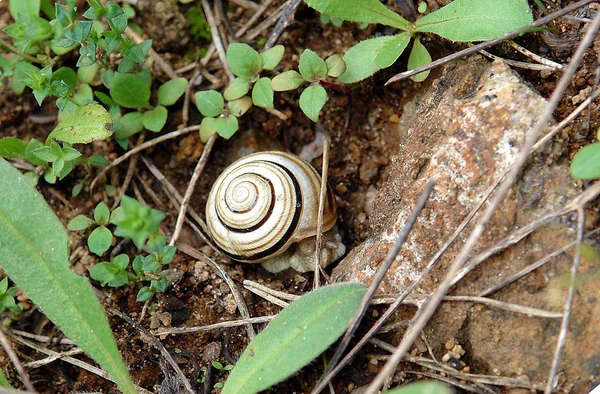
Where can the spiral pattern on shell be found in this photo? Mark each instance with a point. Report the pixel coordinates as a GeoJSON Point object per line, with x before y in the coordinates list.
{"type": "Point", "coordinates": [263, 203]}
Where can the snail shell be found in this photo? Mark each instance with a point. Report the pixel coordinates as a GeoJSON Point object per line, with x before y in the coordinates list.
{"type": "Point", "coordinates": [263, 203]}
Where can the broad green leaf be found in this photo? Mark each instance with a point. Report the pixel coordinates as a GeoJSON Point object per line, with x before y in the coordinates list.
{"type": "Point", "coordinates": [262, 93]}
{"type": "Point", "coordinates": [29, 8]}
{"type": "Point", "coordinates": [155, 119]}
{"type": "Point", "coordinates": [128, 125]}
{"type": "Point", "coordinates": [419, 56]}
{"type": "Point", "coordinates": [87, 74]}
{"type": "Point", "coordinates": [476, 20]}
{"type": "Point", "coordinates": [209, 102]}
{"type": "Point", "coordinates": [79, 222]}
{"type": "Point", "coordinates": [227, 126]}
{"type": "Point", "coordinates": [427, 387]}
{"type": "Point", "coordinates": [336, 65]}
{"type": "Point", "coordinates": [129, 90]}
{"type": "Point", "coordinates": [12, 148]}
{"type": "Point", "coordinates": [239, 107]}
{"type": "Point", "coordinates": [367, 11]}
{"type": "Point", "coordinates": [99, 240]}
{"type": "Point", "coordinates": [236, 89]}
{"type": "Point", "coordinates": [244, 61]}
{"type": "Point", "coordinates": [312, 67]}
{"type": "Point", "coordinates": [391, 51]}
{"type": "Point", "coordinates": [586, 162]}
{"type": "Point", "coordinates": [208, 127]}
{"type": "Point", "coordinates": [170, 91]}
{"type": "Point", "coordinates": [102, 214]}
{"type": "Point", "coordinates": [295, 337]}
{"type": "Point", "coordinates": [271, 57]}
{"type": "Point", "coordinates": [312, 100]}
{"type": "Point", "coordinates": [287, 80]}
{"type": "Point", "coordinates": [369, 56]}
{"type": "Point", "coordinates": [85, 124]}
{"type": "Point", "coordinates": [34, 255]}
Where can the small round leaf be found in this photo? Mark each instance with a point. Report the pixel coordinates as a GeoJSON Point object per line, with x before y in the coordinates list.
{"type": "Point", "coordinates": [227, 126]}
{"type": "Point", "coordinates": [100, 240]}
{"type": "Point", "coordinates": [586, 162]}
{"type": "Point", "coordinates": [155, 119]}
{"type": "Point", "coordinates": [272, 57]}
{"type": "Point", "coordinates": [236, 89]}
{"type": "Point", "coordinates": [209, 102]}
{"type": "Point", "coordinates": [419, 56]}
{"type": "Point", "coordinates": [336, 66]}
{"type": "Point", "coordinates": [262, 93]}
{"type": "Point", "coordinates": [239, 107]}
{"type": "Point", "coordinates": [170, 91]}
{"type": "Point", "coordinates": [129, 90]}
{"type": "Point", "coordinates": [312, 100]}
{"type": "Point", "coordinates": [102, 214]}
{"type": "Point", "coordinates": [79, 222]}
{"type": "Point", "coordinates": [312, 67]}
{"type": "Point", "coordinates": [243, 60]}
{"type": "Point", "coordinates": [288, 80]}
{"type": "Point", "coordinates": [208, 127]}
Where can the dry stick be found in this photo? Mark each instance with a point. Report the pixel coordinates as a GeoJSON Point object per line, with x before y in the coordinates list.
{"type": "Point", "coordinates": [51, 359]}
{"type": "Point", "coordinates": [532, 267]}
{"type": "Point", "coordinates": [251, 285]}
{"type": "Point", "coordinates": [71, 360]}
{"type": "Point", "coordinates": [43, 338]}
{"type": "Point", "coordinates": [216, 38]}
{"type": "Point", "coordinates": [162, 63]}
{"type": "Point", "coordinates": [239, 300]}
{"type": "Point", "coordinates": [535, 57]}
{"type": "Point", "coordinates": [145, 145]}
{"type": "Point", "coordinates": [191, 186]}
{"type": "Point", "coordinates": [263, 7]}
{"type": "Point", "coordinates": [216, 326]}
{"type": "Point", "coordinates": [516, 63]}
{"type": "Point", "coordinates": [323, 193]}
{"type": "Point", "coordinates": [487, 44]}
{"type": "Point", "coordinates": [15, 360]}
{"type": "Point", "coordinates": [564, 327]}
{"type": "Point", "coordinates": [428, 310]}
{"type": "Point", "coordinates": [166, 355]}
{"type": "Point", "coordinates": [381, 271]}
{"type": "Point", "coordinates": [282, 23]}
{"type": "Point", "coordinates": [268, 21]}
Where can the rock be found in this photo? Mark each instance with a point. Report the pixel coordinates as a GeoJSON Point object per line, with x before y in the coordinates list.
{"type": "Point", "coordinates": [467, 128]}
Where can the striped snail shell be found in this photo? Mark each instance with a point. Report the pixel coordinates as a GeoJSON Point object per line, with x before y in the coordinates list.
{"type": "Point", "coordinates": [263, 203]}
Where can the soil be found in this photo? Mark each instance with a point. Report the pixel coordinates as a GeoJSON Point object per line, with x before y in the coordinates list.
{"type": "Point", "coordinates": [362, 121]}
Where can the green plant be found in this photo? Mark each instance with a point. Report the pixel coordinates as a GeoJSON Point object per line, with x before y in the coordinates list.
{"type": "Point", "coordinates": [34, 256]}
{"type": "Point", "coordinates": [460, 21]}
{"type": "Point", "coordinates": [425, 387]}
{"type": "Point", "coordinates": [7, 299]}
{"type": "Point", "coordinates": [138, 222]}
{"type": "Point", "coordinates": [586, 162]}
{"type": "Point", "coordinates": [222, 110]}
{"type": "Point", "coordinates": [220, 367]}
{"type": "Point", "coordinates": [295, 337]}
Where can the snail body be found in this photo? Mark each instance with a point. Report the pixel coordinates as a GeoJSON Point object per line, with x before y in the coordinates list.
{"type": "Point", "coordinates": [262, 204]}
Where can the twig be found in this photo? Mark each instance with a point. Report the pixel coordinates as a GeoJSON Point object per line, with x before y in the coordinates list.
{"type": "Point", "coordinates": [282, 23]}
{"type": "Point", "coordinates": [268, 21]}
{"type": "Point", "coordinates": [14, 359]}
{"type": "Point", "coordinates": [487, 44]}
{"type": "Point", "coordinates": [534, 56]}
{"type": "Point", "coordinates": [239, 300]}
{"type": "Point", "coordinates": [145, 145]}
{"type": "Point", "coordinates": [564, 326]}
{"type": "Point", "coordinates": [43, 338]}
{"type": "Point", "coordinates": [216, 326]}
{"type": "Point", "coordinates": [251, 285]}
{"type": "Point", "coordinates": [217, 39]}
{"type": "Point", "coordinates": [191, 186]}
{"type": "Point", "coordinates": [51, 359]}
{"type": "Point", "coordinates": [322, 195]}
{"type": "Point", "coordinates": [516, 63]}
{"type": "Point", "coordinates": [261, 10]}
{"type": "Point", "coordinates": [159, 346]}
{"type": "Point", "coordinates": [428, 310]}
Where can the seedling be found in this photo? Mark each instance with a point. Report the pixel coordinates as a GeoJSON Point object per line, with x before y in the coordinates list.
{"type": "Point", "coordinates": [7, 297]}
{"type": "Point", "coordinates": [459, 21]}
{"type": "Point", "coordinates": [586, 162]}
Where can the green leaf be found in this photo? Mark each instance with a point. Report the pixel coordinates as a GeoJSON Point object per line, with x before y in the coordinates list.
{"type": "Point", "coordinates": [170, 91]}
{"type": "Point", "coordinates": [295, 337]}
{"type": "Point", "coordinates": [144, 294]}
{"type": "Point", "coordinates": [99, 240]}
{"type": "Point", "coordinates": [45, 153]}
{"type": "Point", "coordinates": [12, 148]}
{"type": "Point", "coordinates": [87, 74]}
{"type": "Point", "coordinates": [208, 127]}
{"type": "Point", "coordinates": [244, 61]}
{"type": "Point", "coordinates": [368, 11]}
{"type": "Point", "coordinates": [427, 387]}
{"type": "Point", "coordinates": [227, 126]}
{"type": "Point", "coordinates": [155, 119]}
{"type": "Point", "coordinates": [586, 162]}
{"type": "Point", "coordinates": [262, 93]}
{"type": "Point", "coordinates": [209, 102]}
{"type": "Point", "coordinates": [271, 57]}
{"type": "Point", "coordinates": [312, 67]}
{"type": "Point", "coordinates": [288, 80]}
{"type": "Point", "coordinates": [312, 100]}
{"type": "Point", "coordinates": [79, 222]}
{"type": "Point", "coordinates": [3, 285]}
{"type": "Point", "coordinates": [34, 255]}
{"type": "Point", "coordinates": [4, 381]}
{"type": "Point", "coordinates": [476, 20]}
{"type": "Point", "coordinates": [29, 8]}
{"type": "Point", "coordinates": [138, 221]}
{"type": "Point", "coordinates": [85, 124]}
{"type": "Point", "coordinates": [336, 66]}
{"type": "Point", "coordinates": [129, 90]}
{"type": "Point", "coordinates": [236, 89]}
{"type": "Point", "coordinates": [128, 125]}
{"type": "Point", "coordinates": [239, 107]}
{"type": "Point", "coordinates": [102, 214]}
{"type": "Point", "coordinates": [419, 56]}
{"type": "Point", "coordinates": [369, 56]}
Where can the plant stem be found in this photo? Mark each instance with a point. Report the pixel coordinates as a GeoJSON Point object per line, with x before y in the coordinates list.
{"type": "Point", "coordinates": [15, 50]}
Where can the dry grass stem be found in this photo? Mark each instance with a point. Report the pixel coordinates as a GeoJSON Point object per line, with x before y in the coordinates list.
{"type": "Point", "coordinates": [322, 196]}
